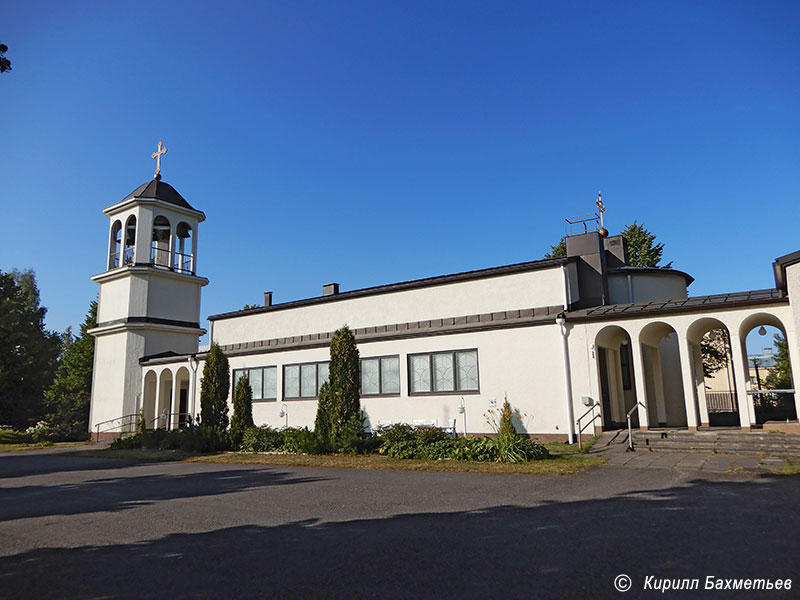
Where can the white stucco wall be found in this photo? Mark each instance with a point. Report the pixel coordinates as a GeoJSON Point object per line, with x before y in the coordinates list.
{"type": "Point", "coordinates": [543, 287]}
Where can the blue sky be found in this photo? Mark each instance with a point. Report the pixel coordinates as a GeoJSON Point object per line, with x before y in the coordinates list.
{"type": "Point", "coordinates": [373, 142]}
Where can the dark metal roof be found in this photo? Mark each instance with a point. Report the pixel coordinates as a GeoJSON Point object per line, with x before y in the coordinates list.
{"type": "Point", "coordinates": [406, 285]}
{"type": "Point", "coordinates": [160, 190]}
{"type": "Point", "coordinates": [701, 303]}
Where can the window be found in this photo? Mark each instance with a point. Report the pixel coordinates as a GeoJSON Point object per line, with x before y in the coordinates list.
{"type": "Point", "coordinates": [443, 372]}
{"type": "Point", "coordinates": [263, 381]}
{"type": "Point", "coordinates": [380, 376]}
{"type": "Point", "coordinates": [303, 381]}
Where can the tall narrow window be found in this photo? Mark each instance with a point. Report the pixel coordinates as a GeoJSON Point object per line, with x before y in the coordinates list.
{"type": "Point", "coordinates": [130, 241]}
{"type": "Point", "coordinates": [421, 373]}
{"type": "Point", "coordinates": [183, 256]}
{"type": "Point", "coordinates": [114, 245]}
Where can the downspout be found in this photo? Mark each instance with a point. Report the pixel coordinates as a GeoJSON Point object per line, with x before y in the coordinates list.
{"type": "Point", "coordinates": [630, 289]}
{"type": "Point", "coordinates": [561, 322]}
{"type": "Point", "coordinates": [193, 362]}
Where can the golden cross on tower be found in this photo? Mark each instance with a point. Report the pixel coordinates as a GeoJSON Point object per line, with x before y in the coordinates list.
{"type": "Point", "coordinates": [600, 208]}
{"type": "Point", "coordinates": [157, 156]}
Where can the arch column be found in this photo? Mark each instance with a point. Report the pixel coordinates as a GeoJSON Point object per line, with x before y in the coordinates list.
{"type": "Point", "coordinates": [641, 386]}
{"type": "Point", "coordinates": [747, 412]}
{"type": "Point", "coordinates": [176, 394]}
{"type": "Point", "coordinates": [687, 376]}
{"type": "Point", "coordinates": [700, 384]}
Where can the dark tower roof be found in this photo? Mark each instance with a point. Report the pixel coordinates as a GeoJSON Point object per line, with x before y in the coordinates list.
{"type": "Point", "coordinates": [160, 190]}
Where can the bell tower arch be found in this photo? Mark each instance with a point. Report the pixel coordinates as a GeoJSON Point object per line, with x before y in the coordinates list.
{"type": "Point", "coordinates": [149, 297]}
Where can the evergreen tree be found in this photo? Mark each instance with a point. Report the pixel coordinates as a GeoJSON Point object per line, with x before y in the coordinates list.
{"type": "Point", "coordinates": [642, 249]}
{"type": "Point", "coordinates": [28, 352]}
{"type": "Point", "coordinates": [214, 389]}
{"type": "Point", "coordinates": [67, 399]}
{"type": "Point", "coordinates": [339, 403]}
{"type": "Point", "coordinates": [780, 376]}
{"type": "Point", "coordinates": [506, 428]}
{"type": "Point", "coordinates": [242, 410]}
{"type": "Point", "coordinates": [558, 251]}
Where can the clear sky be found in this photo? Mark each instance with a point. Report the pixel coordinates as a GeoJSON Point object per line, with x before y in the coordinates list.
{"type": "Point", "coordinates": [374, 142]}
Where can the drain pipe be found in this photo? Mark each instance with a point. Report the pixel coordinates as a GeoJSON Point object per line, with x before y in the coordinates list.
{"type": "Point", "coordinates": [561, 322]}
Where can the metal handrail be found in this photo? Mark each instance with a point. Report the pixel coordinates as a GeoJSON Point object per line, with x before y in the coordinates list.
{"type": "Point", "coordinates": [169, 416]}
{"type": "Point", "coordinates": [759, 392]}
{"type": "Point", "coordinates": [578, 423]}
{"type": "Point", "coordinates": [120, 419]}
{"type": "Point", "coordinates": [628, 416]}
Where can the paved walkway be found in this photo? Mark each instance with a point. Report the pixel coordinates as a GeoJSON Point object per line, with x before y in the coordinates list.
{"type": "Point", "coordinates": [614, 446]}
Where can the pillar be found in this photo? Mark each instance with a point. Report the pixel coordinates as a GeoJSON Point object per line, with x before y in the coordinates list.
{"type": "Point", "coordinates": [687, 377]}
{"type": "Point", "coordinates": [747, 412]}
{"type": "Point", "coordinates": [700, 384]}
{"type": "Point", "coordinates": [640, 385]}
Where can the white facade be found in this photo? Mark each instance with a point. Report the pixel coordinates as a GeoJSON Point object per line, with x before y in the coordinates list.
{"type": "Point", "coordinates": [580, 338]}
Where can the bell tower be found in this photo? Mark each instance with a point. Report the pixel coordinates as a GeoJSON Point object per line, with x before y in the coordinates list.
{"type": "Point", "coordinates": [149, 298]}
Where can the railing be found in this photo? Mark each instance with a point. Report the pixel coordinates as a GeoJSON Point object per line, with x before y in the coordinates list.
{"type": "Point", "coordinates": [184, 420]}
{"type": "Point", "coordinates": [578, 423]}
{"type": "Point", "coordinates": [127, 258]}
{"type": "Point", "coordinates": [179, 262]}
{"type": "Point", "coordinates": [721, 402]}
{"type": "Point", "coordinates": [183, 263]}
{"type": "Point", "coordinates": [630, 431]}
{"type": "Point", "coordinates": [124, 424]}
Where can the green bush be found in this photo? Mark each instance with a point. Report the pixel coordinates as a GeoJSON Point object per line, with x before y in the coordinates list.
{"type": "Point", "coordinates": [394, 434]}
{"type": "Point", "coordinates": [475, 449]}
{"type": "Point", "coordinates": [131, 442]}
{"type": "Point", "coordinates": [506, 428]}
{"type": "Point", "coordinates": [261, 439]}
{"type": "Point", "coordinates": [190, 439]}
{"type": "Point", "coordinates": [516, 449]}
{"type": "Point", "coordinates": [242, 411]}
{"type": "Point", "coordinates": [301, 441]}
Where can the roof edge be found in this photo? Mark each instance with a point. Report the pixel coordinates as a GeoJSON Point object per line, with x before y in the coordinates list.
{"type": "Point", "coordinates": [402, 286]}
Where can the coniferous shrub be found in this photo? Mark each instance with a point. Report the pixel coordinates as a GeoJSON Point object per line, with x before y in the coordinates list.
{"type": "Point", "coordinates": [242, 411]}
{"type": "Point", "coordinates": [507, 429]}
{"type": "Point", "coordinates": [214, 389]}
{"type": "Point", "coordinates": [261, 439]}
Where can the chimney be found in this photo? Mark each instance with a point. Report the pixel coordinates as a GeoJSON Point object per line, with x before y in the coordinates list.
{"type": "Point", "coordinates": [330, 289]}
{"type": "Point", "coordinates": [267, 298]}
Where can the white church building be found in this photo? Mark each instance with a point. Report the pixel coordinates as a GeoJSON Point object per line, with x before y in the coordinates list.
{"type": "Point", "coordinates": [574, 343]}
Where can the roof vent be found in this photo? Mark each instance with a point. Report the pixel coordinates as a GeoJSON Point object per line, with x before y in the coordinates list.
{"type": "Point", "coordinates": [330, 289]}
{"type": "Point", "coordinates": [267, 298]}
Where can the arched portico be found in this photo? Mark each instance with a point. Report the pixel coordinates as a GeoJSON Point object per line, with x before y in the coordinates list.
{"type": "Point", "coordinates": [664, 362]}
{"type": "Point", "coordinates": [181, 395]}
{"type": "Point", "coordinates": [718, 407]}
{"type": "Point", "coordinates": [615, 373]}
{"type": "Point", "coordinates": [149, 393]}
{"type": "Point", "coordinates": [165, 393]}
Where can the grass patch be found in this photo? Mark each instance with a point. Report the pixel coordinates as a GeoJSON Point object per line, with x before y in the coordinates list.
{"type": "Point", "coordinates": [564, 448]}
{"type": "Point", "coordinates": [561, 465]}
{"type": "Point", "coordinates": [9, 436]}
{"type": "Point", "coordinates": [10, 447]}
{"type": "Point", "coordinates": [789, 468]}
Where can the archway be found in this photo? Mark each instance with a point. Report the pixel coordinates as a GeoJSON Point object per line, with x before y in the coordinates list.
{"type": "Point", "coordinates": [181, 410]}
{"type": "Point", "coordinates": [661, 362]}
{"type": "Point", "coordinates": [615, 376]}
{"type": "Point", "coordinates": [160, 246]}
{"type": "Point", "coordinates": [778, 402]}
{"type": "Point", "coordinates": [149, 397]}
{"type": "Point", "coordinates": [114, 243]}
{"type": "Point", "coordinates": [164, 399]}
{"type": "Point", "coordinates": [713, 372]}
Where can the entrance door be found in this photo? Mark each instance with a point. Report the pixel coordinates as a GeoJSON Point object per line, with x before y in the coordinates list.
{"type": "Point", "coordinates": [605, 393]}
{"type": "Point", "coordinates": [183, 407]}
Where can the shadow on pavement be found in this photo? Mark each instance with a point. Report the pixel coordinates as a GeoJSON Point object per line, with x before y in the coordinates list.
{"type": "Point", "coordinates": [556, 550]}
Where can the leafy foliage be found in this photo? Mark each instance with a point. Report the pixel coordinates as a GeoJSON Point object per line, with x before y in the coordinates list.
{"type": "Point", "coordinates": [506, 428]}
{"type": "Point", "coordinates": [214, 389]}
{"type": "Point", "coordinates": [28, 352]}
{"type": "Point", "coordinates": [558, 251]}
{"type": "Point", "coordinates": [714, 349]}
{"type": "Point", "coordinates": [5, 64]}
{"type": "Point", "coordinates": [642, 249]}
{"type": "Point", "coordinates": [242, 410]}
{"type": "Point", "coordinates": [339, 400]}
{"type": "Point", "coordinates": [261, 439]}
{"type": "Point", "coordinates": [67, 399]}
{"type": "Point", "coordinates": [200, 438]}
{"type": "Point", "coordinates": [780, 376]}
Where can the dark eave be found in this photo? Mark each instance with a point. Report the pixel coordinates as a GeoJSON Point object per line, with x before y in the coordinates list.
{"type": "Point", "coordinates": [403, 286]}
{"type": "Point", "coordinates": [652, 271]}
{"type": "Point", "coordinates": [779, 267]}
{"type": "Point", "coordinates": [693, 304]}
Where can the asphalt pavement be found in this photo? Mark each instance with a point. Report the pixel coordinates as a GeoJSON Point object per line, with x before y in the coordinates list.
{"type": "Point", "coordinates": [73, 527]}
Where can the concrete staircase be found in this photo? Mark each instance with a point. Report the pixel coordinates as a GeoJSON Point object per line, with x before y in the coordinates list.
{"type": "Point", "coordinates": [758, 443]}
